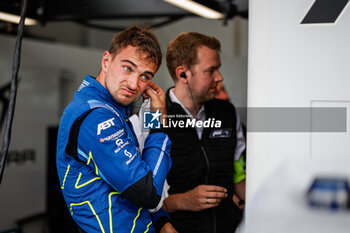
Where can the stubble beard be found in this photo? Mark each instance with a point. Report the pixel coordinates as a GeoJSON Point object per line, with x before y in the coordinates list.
{"type": "Point", "coordinates": [123, 99]}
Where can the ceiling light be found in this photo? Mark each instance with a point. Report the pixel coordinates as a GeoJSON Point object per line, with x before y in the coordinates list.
{"type": "Point", "coordinates": [197, 8]}
{"type": "Point", "coordinates": [15, 19]}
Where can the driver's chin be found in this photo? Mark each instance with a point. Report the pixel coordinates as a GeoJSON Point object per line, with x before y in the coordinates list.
{"type": "Point", "coordinates": [125, 101]}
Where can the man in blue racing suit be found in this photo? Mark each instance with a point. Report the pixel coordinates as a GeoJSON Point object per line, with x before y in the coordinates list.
{"type": "Point", "coordinates": [107, 185]}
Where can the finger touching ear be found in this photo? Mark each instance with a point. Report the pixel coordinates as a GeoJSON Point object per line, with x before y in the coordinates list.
{"type": "Point", "coordinates": [155, 87]}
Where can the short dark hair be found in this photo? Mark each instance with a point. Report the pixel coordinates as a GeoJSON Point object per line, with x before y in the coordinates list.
{"type": "Point", "coordinates": [141, 37]}
{"type": "Point", "coordinates": [183, 50]}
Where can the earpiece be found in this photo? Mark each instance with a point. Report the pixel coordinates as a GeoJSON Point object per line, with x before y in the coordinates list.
{"type": "Point", "coordinates": [183, 75]}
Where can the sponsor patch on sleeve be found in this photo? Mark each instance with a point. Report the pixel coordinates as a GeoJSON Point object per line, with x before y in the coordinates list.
{"type": "Point", "coordinates": [120, 144]}
{"type": "Point", "coordinates": [114, 136]}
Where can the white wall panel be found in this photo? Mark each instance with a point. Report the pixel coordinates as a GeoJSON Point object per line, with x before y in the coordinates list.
{"type": "Point", "coordinates": [23, 189]}
{"type": "Point", "coordinates": [293, 65]}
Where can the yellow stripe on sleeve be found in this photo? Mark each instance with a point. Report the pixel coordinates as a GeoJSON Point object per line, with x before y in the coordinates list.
{"type": "Point", "coordinates": [65, 176]}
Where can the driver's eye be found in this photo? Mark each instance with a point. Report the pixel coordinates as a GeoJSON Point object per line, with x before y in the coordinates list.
{"type": "Point", "coordinates": [127, 68]}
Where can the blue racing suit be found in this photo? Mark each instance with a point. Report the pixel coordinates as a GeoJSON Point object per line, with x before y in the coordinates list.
{"type": "Point", "coordinates": [107, 185]}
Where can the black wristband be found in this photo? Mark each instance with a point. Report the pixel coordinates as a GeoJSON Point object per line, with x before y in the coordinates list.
{"type": "Point", "coordinates": [160, 130]}
{"type": "Point", "coordinates": [160, 223]}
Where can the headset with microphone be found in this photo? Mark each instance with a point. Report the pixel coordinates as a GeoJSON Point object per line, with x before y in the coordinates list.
{"type": "Point", "coordinates": [183, 75]}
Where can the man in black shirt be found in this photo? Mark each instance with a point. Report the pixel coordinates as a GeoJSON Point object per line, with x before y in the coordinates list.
{"type": "Point", "coordinates": [207, 140]}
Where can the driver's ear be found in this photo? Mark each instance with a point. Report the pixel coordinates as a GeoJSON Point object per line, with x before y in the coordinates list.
{"type": "Point", "coordinates": [106, 60]}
